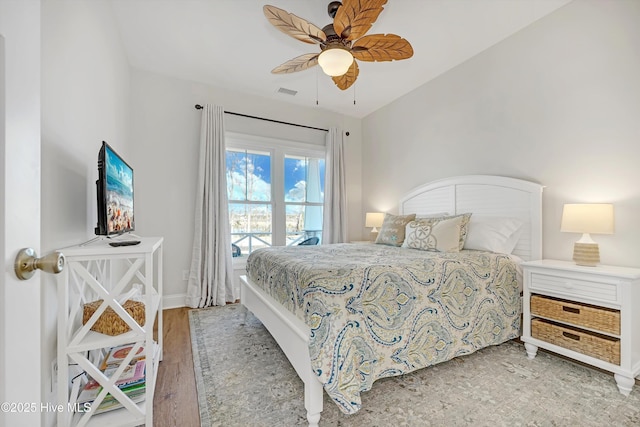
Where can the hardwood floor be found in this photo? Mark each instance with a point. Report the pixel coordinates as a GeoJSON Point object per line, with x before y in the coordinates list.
{"type": "Point", "coordinates": [176, 401]}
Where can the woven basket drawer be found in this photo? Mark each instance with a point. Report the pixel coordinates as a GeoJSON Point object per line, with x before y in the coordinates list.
{"type": "Point", "coordinates": [595, 345]}
{"type": "Point", "coordinates": [109, 321]}
{"type": "Point", "coordinates": [590, 316]}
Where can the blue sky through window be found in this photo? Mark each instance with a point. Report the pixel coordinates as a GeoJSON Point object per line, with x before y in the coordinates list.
{"type": "Point", "coordinates": [251, 173]}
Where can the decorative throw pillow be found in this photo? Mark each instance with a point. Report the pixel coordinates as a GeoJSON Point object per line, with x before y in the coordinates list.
{"type": "Point", "coordinates": [464, 225]}
{"type": "Point", "coordinates": [440, 235]}
{"type": "Point", "coordinates": [494, 234]}
{"type": "Point", "coordinates": [392, 230]}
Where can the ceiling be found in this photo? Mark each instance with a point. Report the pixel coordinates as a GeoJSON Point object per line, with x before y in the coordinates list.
{"type": "Point", "coordinates": [230, 44]}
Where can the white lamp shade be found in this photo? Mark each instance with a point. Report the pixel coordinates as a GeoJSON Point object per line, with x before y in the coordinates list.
{"type": "Point", "coordinates": [596, 218]}
{"type": "Point", "coordinates": [374, 219]}
{"type": "Point", "coordinates": [335, 61]}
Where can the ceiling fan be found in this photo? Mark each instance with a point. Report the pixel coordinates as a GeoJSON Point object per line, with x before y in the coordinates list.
{"type": "Point", "coordinates": [341, 42]}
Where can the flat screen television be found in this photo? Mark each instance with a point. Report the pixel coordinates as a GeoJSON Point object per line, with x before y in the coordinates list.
{"type": "Point", "coordinates": [115, 193]}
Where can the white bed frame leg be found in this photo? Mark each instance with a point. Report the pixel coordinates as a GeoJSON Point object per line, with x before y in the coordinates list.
{"type": "Point", "coordinates": [292, 335]}
{"type": "Point", "coordinates": [313, 400]}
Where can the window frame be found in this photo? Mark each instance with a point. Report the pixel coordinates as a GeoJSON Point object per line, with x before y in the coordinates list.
{"type": "Point", "coordinates": [277, 149]}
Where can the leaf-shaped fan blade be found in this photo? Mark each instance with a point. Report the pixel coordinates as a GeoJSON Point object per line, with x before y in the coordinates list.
{"type": "Point", "coordinates": [355, 17]}
{"type": "Point", "coordinates": [293, 25]}
{"type": "Point", "coordinates": [299, 63]}
{"type": "Point", "coordinates": [381, 47]}
{"type": "Point", "coordinates": [346, 80]}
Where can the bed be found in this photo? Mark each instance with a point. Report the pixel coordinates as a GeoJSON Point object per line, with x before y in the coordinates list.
{"type": "Point", "coordinates": [346, 315]}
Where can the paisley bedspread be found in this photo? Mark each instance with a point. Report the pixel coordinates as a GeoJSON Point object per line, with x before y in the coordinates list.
{"type": "Point", "coordinates": [377, 311]}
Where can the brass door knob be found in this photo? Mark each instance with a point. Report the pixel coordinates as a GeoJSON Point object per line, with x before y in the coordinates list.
{"type": "Point", "coordinates": [27, 263]}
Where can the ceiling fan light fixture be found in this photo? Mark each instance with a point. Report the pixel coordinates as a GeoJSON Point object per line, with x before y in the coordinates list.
{"type": "Point", "coordinates": [343, 42]}
{"type": "Point", "coordinates": [335, 61]}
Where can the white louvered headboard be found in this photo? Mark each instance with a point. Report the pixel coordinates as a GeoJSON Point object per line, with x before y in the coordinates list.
{"type": "Point", "coordinates": [485, 195]}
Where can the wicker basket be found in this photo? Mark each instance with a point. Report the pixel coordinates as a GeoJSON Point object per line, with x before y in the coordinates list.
{"type": "Point", "coordinates": [590, 316]}
{"type": "Point", "coordinates": [109, 322]}
{"type": "Point", "coordinates": [595, 345]}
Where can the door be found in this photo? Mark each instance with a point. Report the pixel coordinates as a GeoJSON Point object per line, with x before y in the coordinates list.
{"type": "Point", "coordinates": [20, 342]}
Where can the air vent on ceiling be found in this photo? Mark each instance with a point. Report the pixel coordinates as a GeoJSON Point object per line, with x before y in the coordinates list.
{"type": "Point", "coordinates": [287, 91]}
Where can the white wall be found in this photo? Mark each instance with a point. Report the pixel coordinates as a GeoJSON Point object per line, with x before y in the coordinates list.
{"type": "Point", "coordinates": [85, 100]}
{"type": "Point", "coordinates": [557, 103]}
{"type": "Point", "coordinates": [165, 143]}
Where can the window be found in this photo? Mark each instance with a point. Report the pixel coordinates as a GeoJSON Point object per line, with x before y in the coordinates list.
{"type": "Point", "coordinates": [303, 197]}
{"type": "Point", "coordinates": [249, 193]}
{"type": "Point", "coordinates": [275, 190]}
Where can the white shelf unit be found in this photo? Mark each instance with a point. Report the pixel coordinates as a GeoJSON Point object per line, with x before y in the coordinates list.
{"type": "Point", "coordinates": [94, 271]}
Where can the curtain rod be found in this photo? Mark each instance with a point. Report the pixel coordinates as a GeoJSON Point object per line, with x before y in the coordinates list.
{"type": "Point", "coordinates": [199, 107]}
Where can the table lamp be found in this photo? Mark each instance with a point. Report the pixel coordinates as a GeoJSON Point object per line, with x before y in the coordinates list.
{"type": "Point", "coordinates": [587, 218]}
{"type": "Point", "coordinates": [374, 219]}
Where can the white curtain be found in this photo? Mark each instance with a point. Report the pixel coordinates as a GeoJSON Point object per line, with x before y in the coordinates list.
{"type": "Point", "coordinates": [211, 275]}
{"type": "Point", "coordinates": [334, 228]}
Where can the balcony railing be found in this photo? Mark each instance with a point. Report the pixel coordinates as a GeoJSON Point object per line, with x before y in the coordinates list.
{"type": "Point", "coordinates": [248, 242]}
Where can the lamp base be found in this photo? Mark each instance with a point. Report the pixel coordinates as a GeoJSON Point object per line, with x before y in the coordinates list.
{"type": "Point", "coordinates": [586, 254]}
{"type": "Point", "coordinates": [374, 235]}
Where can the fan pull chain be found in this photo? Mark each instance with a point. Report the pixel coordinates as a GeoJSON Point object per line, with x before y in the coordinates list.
{"type": "Point", "coordinates": [317, 77]}
{"type": "Point", "coordinates": [354, 94]}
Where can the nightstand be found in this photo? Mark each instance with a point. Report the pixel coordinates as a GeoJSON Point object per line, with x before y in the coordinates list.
{"type": "Point", "coordinates": [590, 314]}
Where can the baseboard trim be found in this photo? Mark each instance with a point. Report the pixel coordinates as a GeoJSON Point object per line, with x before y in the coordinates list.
{"type": "Point", "coordinates": [174, 301]}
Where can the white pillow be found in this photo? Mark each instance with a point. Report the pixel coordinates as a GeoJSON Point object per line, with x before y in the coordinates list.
{"type": "Point", "coordinates": [493, 234]}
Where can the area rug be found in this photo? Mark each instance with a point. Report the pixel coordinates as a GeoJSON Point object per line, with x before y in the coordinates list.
{"type": "Point", "coordinates": [244, 379]}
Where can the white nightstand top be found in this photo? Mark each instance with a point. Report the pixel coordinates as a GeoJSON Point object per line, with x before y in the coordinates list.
{"type": "Point", "coordinates": [361, 241]}
{"type": "Point", "coordinates": [605, 270]}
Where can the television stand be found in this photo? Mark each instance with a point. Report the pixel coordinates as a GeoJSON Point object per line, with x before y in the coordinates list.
{"type": "Point", "coordinates": [97, 272]}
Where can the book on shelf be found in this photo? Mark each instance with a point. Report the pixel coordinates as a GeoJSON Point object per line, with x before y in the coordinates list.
{"type": "Point", "coordinates": [111, 404]}
{"type": "Point", "coordinates": [131, 376]}
{"type": "Point", "coordinates": [135, 393]}
{"type": "Point", "coordinates": [132, 380]}
{"type": "Point", "coordinates": [116, 355]}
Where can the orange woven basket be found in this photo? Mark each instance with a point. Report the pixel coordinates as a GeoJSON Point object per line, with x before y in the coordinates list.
{"type": "Point", "coordinates": [109, 322]}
